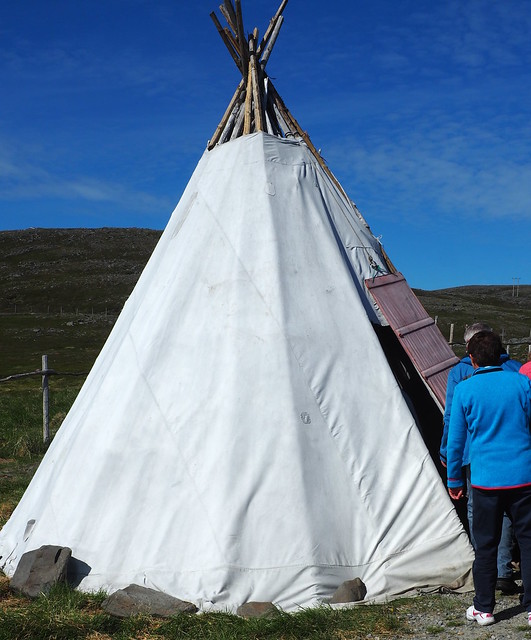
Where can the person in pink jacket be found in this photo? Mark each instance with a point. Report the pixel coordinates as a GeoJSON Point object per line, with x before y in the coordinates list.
{"type": "Point", "coordinates": [526, 368]}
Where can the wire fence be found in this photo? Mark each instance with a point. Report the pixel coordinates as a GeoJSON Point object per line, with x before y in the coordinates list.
{"type": "Point", "coordinates": [44, 373]}
{"type": "Point", "coordinates": [63, 310]}
{"type": "Point", "coordinates": [510, 344]}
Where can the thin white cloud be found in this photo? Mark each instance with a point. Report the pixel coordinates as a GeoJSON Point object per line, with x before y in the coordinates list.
{"type": "Point", "coordinates": [21, 180]}
{"type": "Point", "coordinates": [67, 68]}
{"type": "Point", "coordinates": [449, 176]}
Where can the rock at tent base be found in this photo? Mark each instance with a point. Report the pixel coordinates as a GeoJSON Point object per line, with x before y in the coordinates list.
{"type": "Point", "coordinates": [40, 569]}
{"type": "Point", "coordinates": [256, 610]}
{"type": "Point", "coordinates": [135, 599]}
{"type": "Point", "coordinates": [349, 591]}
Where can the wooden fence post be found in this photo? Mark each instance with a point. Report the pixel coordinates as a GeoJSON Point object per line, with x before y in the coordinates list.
{"type": "Point", "coordinates": [451, 341]}
{"type": "Point", "coordinates": [45, 402]}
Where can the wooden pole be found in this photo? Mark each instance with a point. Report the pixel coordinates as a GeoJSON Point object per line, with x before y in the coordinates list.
{"type": "Point", "coordinates": [294, 125]}
{"type": "Point", "coordinates": [238, 126]}
{"type": "Point", "coordinates": [280, 119]}
{"type": "Point", "coordinates": [271, 27]}
{"type": "Point", "coordinates": [270, 113]}
{"type": "Point", "coordinates": [451, 339]}
{"type": "Point", "coordinates": [228, 12]}
{"type": "Point", "coordinates": [45, 402]}
{"type": "Point", "coordinates": [244, 47]}
{"type": "Point", "coordinates": [271, 43]}
{"type": "Point", "coordinates": [226, 41]}
{"type": "Point", "coordinates": [226, 116]}
{"type": "Point", "coordinates": [234, 42]}
{"type": "Point", "coordinates": [229, 127]}
{"type": "Point", "coordinates": [247, 122]}
{"type": "Point", "coordinates": [257, 99]}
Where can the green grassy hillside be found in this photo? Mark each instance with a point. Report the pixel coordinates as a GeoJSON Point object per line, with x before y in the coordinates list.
{"type": "Point", "coordinates": [507, 314]}
{"type": "Point", "coordinates": [62, 289]}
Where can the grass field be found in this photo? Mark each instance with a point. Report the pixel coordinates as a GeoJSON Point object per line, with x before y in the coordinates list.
{"type": "Point", "coordinates": [69, 615]}
{"type": "Point", "coordinates": [21, 433]}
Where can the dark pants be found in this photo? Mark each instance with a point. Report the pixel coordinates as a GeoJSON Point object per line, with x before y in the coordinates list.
{"type": "Point", "coordinates": [489, 507]}
{"type": "Point", "coordinates": [505, 548]}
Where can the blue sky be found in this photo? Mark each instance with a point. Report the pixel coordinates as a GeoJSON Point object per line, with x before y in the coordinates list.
{"type": "Point", "coordinates": [421, 109]}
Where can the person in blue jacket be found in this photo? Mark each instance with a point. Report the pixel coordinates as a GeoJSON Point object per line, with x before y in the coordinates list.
{"type": "Point", "coordinates": [461, 371]}
{"type": "Point", "coordinates": [492, 412]}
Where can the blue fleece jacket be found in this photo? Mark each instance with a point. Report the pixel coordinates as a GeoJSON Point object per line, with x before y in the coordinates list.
{"type": "Point", "coordinates": [492, 410]}
{"type": "Point", "coordinates": [462, 371]}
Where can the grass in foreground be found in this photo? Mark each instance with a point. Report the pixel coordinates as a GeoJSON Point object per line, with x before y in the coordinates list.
{"type": "Point", "coordinates": [69, 615]}
{"type": "Point", "coordinates": [21, 440]}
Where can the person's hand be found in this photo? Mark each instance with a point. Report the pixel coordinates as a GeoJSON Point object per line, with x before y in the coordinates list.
{"type": "Point", "coordinates": [456, 493]}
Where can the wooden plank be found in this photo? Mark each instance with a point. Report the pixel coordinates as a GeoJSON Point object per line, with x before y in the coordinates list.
{"type": "Point", "coordinates": [219, 130]}
{"type": "Point", "coordinates": [402, 307]}
{"type": "Point", "coordinates": [415, 326]}
{"type": "Point", "coordinates": [416, 331]}
{"type": "Point", "coordinates": [439, 367]}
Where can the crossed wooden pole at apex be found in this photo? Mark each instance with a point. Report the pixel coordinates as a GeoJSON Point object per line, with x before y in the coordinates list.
{"type": "Point", "coordinates": [256, 105]}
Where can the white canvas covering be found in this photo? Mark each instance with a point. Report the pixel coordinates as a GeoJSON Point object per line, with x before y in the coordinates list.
{"type": "Point", "coordinates": [241, 436]}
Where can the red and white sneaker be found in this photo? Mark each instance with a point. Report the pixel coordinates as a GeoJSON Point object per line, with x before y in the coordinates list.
{"type": "Point", "coordinates": [482, 618]}
{"type": "Point", "coordinates": [529, 618]}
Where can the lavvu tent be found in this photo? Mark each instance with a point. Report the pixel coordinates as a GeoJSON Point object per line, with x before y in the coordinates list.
{"type": "Point", "coordinates": [243, 434]}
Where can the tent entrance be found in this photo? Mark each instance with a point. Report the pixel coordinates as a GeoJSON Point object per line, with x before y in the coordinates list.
{"type": "Point", "coordinates": [422, 405]}
{"type": "Point", "coordinates": [420, 401]}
